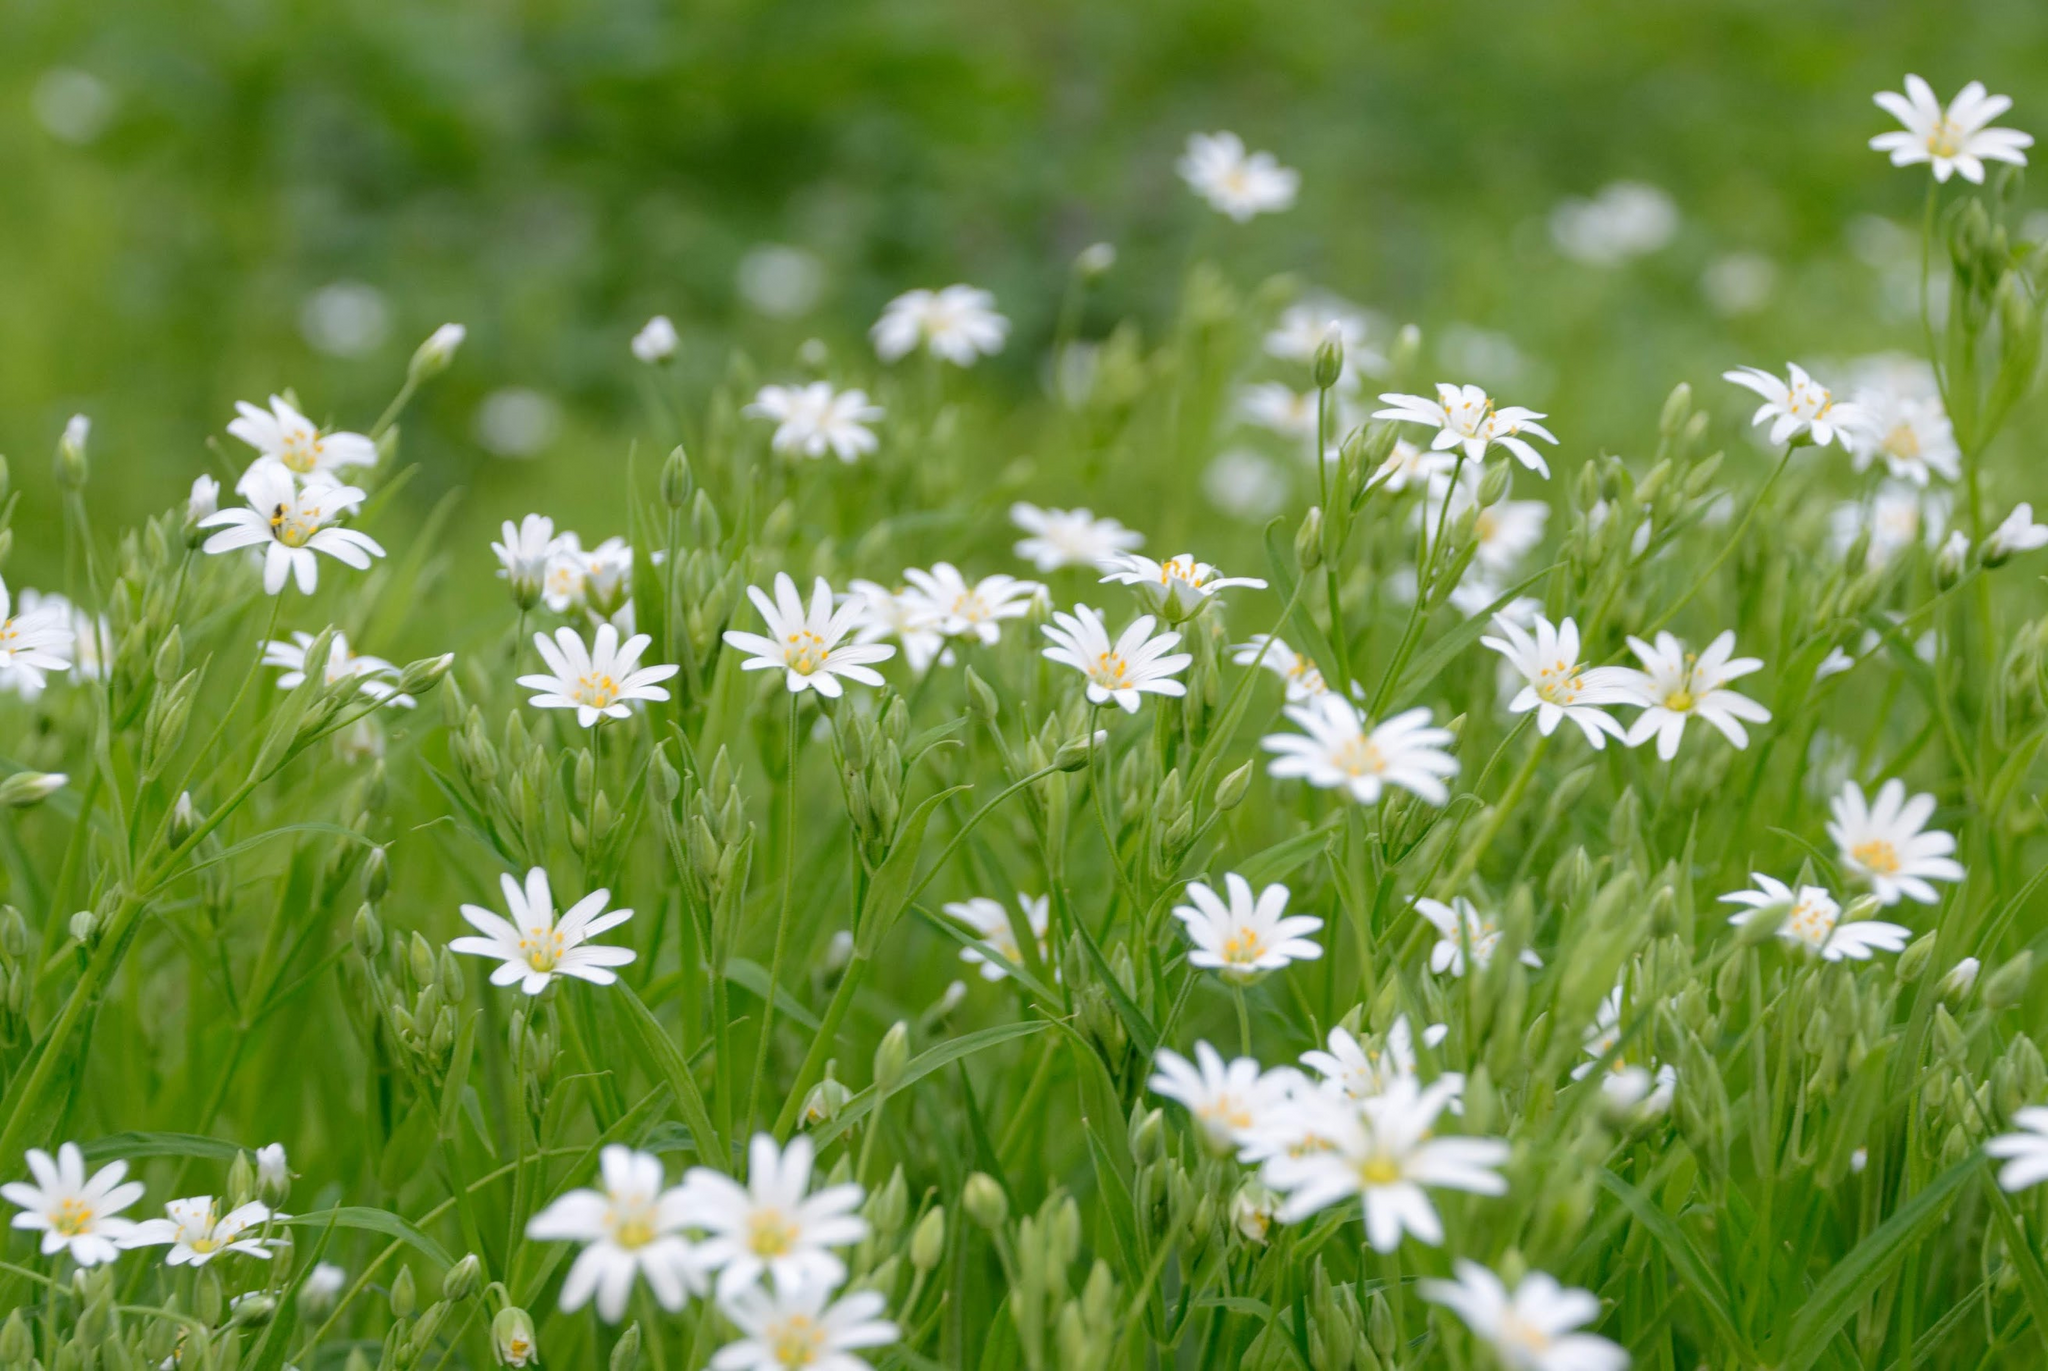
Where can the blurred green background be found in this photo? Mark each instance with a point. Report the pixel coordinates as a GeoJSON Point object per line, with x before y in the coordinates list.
{"type": "Point", "coordinates": [207, 200]}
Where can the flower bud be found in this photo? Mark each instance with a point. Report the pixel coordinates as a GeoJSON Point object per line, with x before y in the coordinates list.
{"type": "Point", "coordinates": [432, 357]}
{"type": "Point", "coordinates": [1094, 260]}
{"type": "Point", "coordinates": [1072, 756]}
{"type": "Point", "coordinates": [83, 925]}
{"type": "Point", "coordinates": [928, 1242]}
{"type": "Point", "coordinates": [403, 1298]}
{"type": "Point", "coordinates": [252, 1310]}
{"type": "Point", "coordinates": [1960, 979]}
{"type": "Point", "coordinates": [981, 697]}
{"type": "Point", "coordinates": [512, 1338]}
{"type": "Point", "coordinates": [169, 661]}
{"type": "Point", "coordinates": [1308, 539]}
{"type": "Point", "coordinates": [1912, 963]}
{"type": "Point", "coordinates": [892, 1057]}
{"type": "Point", "coordinates": [656, 341]}
{"type": "Point", "coordinates": [462, 1279]}
{"type": "Point", "coordinates": [25, 788]}
{"type": "Point", "coordinates": [1493, 486]}
{"type": "Point", "coordinates": [273, 1173]}
{"type": "Point", "coordinates": [1677, 408]}
{"type": "Point", "coordinates": [1329, 357]}
{"type": "Point", "coordinates": [1950, 562]}
{"type": "Point", "coordinates": [368, 933]}
{"type": "Point", "coordinates": [2008, 983]}
{"type": "Point", "coordinates": [626, 1351]}
{"type": "Point", "coordinates": [984, 1201]}
{"type": "Point", "coordinates": [424, 674]}
{"type": "Point", "coordinates": [71, 464]}
{"type": "Point", "coordinates": [678, 482]}
{"type": "Point", "coordinates": [1231, 790]}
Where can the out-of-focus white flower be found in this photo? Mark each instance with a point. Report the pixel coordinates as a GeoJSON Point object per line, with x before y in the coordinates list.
{"type": "Point", "coordinates": [2025, 1152]}
{"type": "Point", "coordinates": [1279, 407]}
{"type": "Point", "coordinates": [286, 438]}
{"type": "Point", "coordinates": [1812, 920]}
{"type": "Point", "coordinates": [781, 281]}
{"type": "Point", "coordinates": [1676, 686]}
{"type": "Point", "coordinates": [1235, 182]}
{"type": "Point", "coordinates": [958, 324]}
{"type": "Point", "coordinates": [2018, 533]}
{"type": "Point", "coordinates": [1225, 1098]}
{"type": "Point", "coordinates": [1465, 936]}
{"type": "Point", "coordinates": [656, 341]}
{"type": "Point", "coordinates": [806, 643]}
{"type": "Point", "coordinates": [1409, 465]}
{"type": "Point", "coordinates": [1465, 417]}
{"type": "Point", "coordinates": [1069, 537]}
{"type": "Point", "coordinates": [960, 610]}
{"type": "Point", "coordinates": [1626, 1085]}
{"type": "Point", "coordinates": [377, 676]}
{"type": "Point", "coordinates": [1909, 432]}
{"type": "Point", "coordinates": [599, 681]}
{"type": "Point", "coordinates": [76, 1214]}
{"type": "Point", "coordinates": [1950, 139]}
{"type": "Point", "coordinates": [1304, 327]}
{"type": "Point", "coordinates": [1799, 406]}
{"type": "Point", "coordinates": [773, 1225]}
{"type": "Point", "coordinates": [518, 422]}
{"type": "Point", "coordinates": [816, 419]}
{"type": "Point", "coordinates": [989, 919]}
{"type": "Point", "coordinates": [1530, 1328]}
{"type": "Point", "coordinates": [1888, 845]}
{"type": "Point", "coordinates": [1246, 485]}
{"type": "Point", "coordinates": [1898, 516]}
{"type": "Point", "coordinates": [1177, 588]}
{"type": "Point", "coordinates": [904, 615]}
{"type": "Point", "coordinates": [535, 946]}
{"type": "Point", "coordinates": [1557, 685]}
{"type": "Point", "coordinates": [1739, 283]}
{"type": "Point", "coordinates": [1136, 664]}
{"type": "Point", "coordinates": [1335, 751]}
{"type": "Point", "coordinates": [791, 1324]}
{"type": "Point", "coordinates": [290, 524]}
{"type": "Point", "coordinates": [1248, 935]}
{"type": "Point", "coordinates": [1625, 219]}
{"type": "Point", "coordinates": [1296, 669]}
{"type": "Point", "coordinates": [523, 555]}
{"type": "Point", "coordinates": [38, 637]}
{"type": "Point", "coordinates": [345, 319]}
{"type": "Point", "coordinates": [72, 105]}
{"type": "Point", "coordinates": [631, 1228]}
{"type": "Point", "coordinates": [1363, 1070]}
{"type": "Point", "coordinates": [197, 1232]}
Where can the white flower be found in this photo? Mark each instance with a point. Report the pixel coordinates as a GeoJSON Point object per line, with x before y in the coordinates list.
{"type": "Point", "coordinates": [805, 643]}
{"type": "Point", "coordinates": [960, 610]}
{"type": "Point", "coordinates": [656, 341]}
{"type": "Point", "coordinates": [204, 499]}
{"type": "Point", "coordinates": [1888, 845]}
{"type": "Point", "coordinates": [1961, 978]}
{"type": "Point", "coordinates": [375, 674]}
{"type": "Point", "coordinates": [1335, 750]}
{"type": "Point", "coordinates": [1178, 587]}
{"type": "Point", "coordinates": [903, 615]}
{"type": "Point", "coordinates": [816, 419]}
{"type": "Point", "coordinates": [1302, 328]}
{"type": "Point", "coordinates": [2026, 1152]}
{"type": "Point", "coordinates": [1799, 405]}
{"type": "Point", "coordinates": [1385, 1155]}
{"type": "Point", "coordinates": [1812, 920]}
{"type": "Point", "coordinates": [1530, 1328]}
{"type": "Point", "coordinates": [1465, 934]}
{"type": "Point", "coordinates": [273, 1170]}
{"type": "Point", "coordinates": [284, 437]}
{"type": "Point", "coordinates": [1236, 183]}
{"type": "Point", "coordinates": [1910, 432]}
{"type": "Point", "coordinates": [1409, 465]}
{"type": "Point", "coordinates": [633, 1227]}
{"type": "Point", "coordinates": [1273, 405]}
{"type": "Point", "coordinates": [1675, 686]}
{"type": "Point", "coordinates": [1558, 685]}
{"type": "Point", "coordinates": [290, 524]}
{"type": "Point", "coordinates": [989, 919]}
{"type": "Point", "coordinates": [957, 325]}
{"type": "Point", "coordinates": [1248, 936]}
{"type": "Point", "coordinates": [37, 639]}
{"type": "Point", "coordinates": [74, 1213]}
{"type": "Point", "coordinates": [1246, 485]}
{"type": "Point", "coordinates": [1627, 1086]}
{"type": "Point", "coordinates": [437, 350]}
{"type": "Point", "coordinates": [1952, 139]}
{"type": "Point", "coordinates": [1136, 664]}
{"type": "Point", "coordinates": [1625, 219]}
{"type": "Point", "coordinates": [197, 1231]}
{"type": "Point", "coordinates": [2019, 533]}
{"type": "Point", "coordinates": [1361, 1071]}
{"type": "Point", "coordinates": [597, 681]}
{"type": "Point", "coordinates": [1465, 417]}
{"type": "Point", "coordinates": [524, 554]}
{"type": "Point", "coordinates": [534, 946]}
{"type": "Point", "coordinates": [562, 579]}
{"type": "Point", "coordinates": [1069, 537]}
{"type": "Point", "coordinates": [1225, 1098]}
{"type": "Point", "coordinates": [797, 1324]}
{"type": "Point", "coordinates": [323, 1282]}
{"type": "Point", "coordinates": [773, 1225]}
{"type": "Point", "coordinates": [1504, 532]}
{"type": "Point", "coordinates": [1296, 669]}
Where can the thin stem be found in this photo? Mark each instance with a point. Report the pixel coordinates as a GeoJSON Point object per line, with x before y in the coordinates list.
{"type": "Point", "coordinates": [781, 919]}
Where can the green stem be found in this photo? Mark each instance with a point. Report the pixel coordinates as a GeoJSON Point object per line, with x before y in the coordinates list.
{"type": "Point", "coordinates": [781, 919]}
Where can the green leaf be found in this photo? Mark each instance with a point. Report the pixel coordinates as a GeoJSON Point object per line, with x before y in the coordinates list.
{"type": "Point", "coordinates": [1446, 649]}
{"type": "Point", "coordinates": [752, 977]}
{"type": "Point", "coordinates": [672, 1067]}
{"type": "Point", "coordinates": [889, 891]}
{"type": "Point", "coordinates": [373, 1221]}
{"type": "Point", "coordinates": [922, 1065]}
{"type": "Point", "coordinates": [1699, 1277]}
{"type": "Point", "coordinates": [1283, 858]}
{"type": "Point", "coordinates": [1855, 1278]}
{"type": "Point", "coordinates": [133, 1145]}
{"type": "Point", "coordinates": [228, 853]}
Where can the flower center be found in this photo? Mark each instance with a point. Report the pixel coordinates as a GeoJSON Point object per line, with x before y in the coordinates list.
{"type": "Point", "coordinates": [1812, 921]}
{"type": "Point", "coordinates": [1112, 672]}
{"type": "Point", "coordinates": [1903, 443]}
{"type": "Point", "coordinates": [1227, 1110]}
{"type": "Point", "coordinates": [1876, 855]}
{"type": "Point", "coordinates": [543, 948]}
{"type": "Point", "coordinates": [293, 524]}
{"type": "Point", "coordinates": [72, 1217]}
{"type": "Point", "coordinates": [1944, 139]}
{"type": "Point", "coordinates": [769, 1234]}
{"type": "Point", "coordinates": [633, 1225]}
{"type": "Point", "coordinates": [1183, 570]}
{"type": "Point", "coordinates": [597, 690]}
{"type": "Point", "coordinates": [796, 1341]}
{"type": "Point", "coordinates": [1379, 1169]}
{"type": "Point", "coordinates": [1359, 757]}
{"type": "Point", "coordinates": [971, 607]}
{"type": "Point", "coordinates": [1244, 945]}
{"type": "Point", "coordinates": [1559, 683]}
{"type": "Point", "coordinates": [301, 454]}
{"type": "Point", "coordinates": [806, 652]}
{"type": "Point", "coordinates": [1518, 1333]}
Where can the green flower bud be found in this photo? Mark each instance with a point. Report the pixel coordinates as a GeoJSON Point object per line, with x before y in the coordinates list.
{"type": "Point", "coordinates": [368, 933]}
{"type": "Point", "coordinates": [1328, 366]}
{"type": "Point", "coordinates": [26, 788]}
{"type": "Point", "coordinates": [981, 699]}
{"type": "Point", "coordinates": [1231, 790]}
{"type": "Point", "coordinates": [1308, 540]}
{"type": "Point", "coordinates": [432, 357]}
{"type": "Point", "coordinates": [403, 1297]}
{"type": "Point", "coordinates": [1677, 408]}
{"type": "Point", "coordinates": [71, 467]}
{"type": "Point", "coordinates": [462, 1279]}
{"type": "Point", "coordinates": [928, 1242]}
{"type": "Point", "coordinates": [678, 482]}
{"type": "Point", "coordinates": [626, 1352]}
{"type": "Point", "coordinates": [892, 1057]}
{"type": "Point", "coordinates": [2005, 986]}
{"type": "Point", "coordinates": [984, 1200]}
{"type": "Point", "coordinates": [1073, 755]}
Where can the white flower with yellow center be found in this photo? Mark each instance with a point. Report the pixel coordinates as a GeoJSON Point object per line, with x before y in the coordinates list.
{"type": "Point", "coordinates": [1812, 920]}
{"type": "Point", "coordinates": [1227, 1099]}
{"type": "Point", "coordinates": [1297, 670]}
{"type": "Point", "coordinates": [957, 325]}
{"type": "Point", "coordinates": [1335, 751]}
{"type": "Point", "coordinates": [1410, 465]}
{"type": "Point", "coordinates": [36, 638]}
{"type": "Point", "coordinates": [1557, 685]}
{"type": "Point", "coordinates": [1952, 138]}
{"type": "Point", "coordinates": [1466, 417]}
{"type": "Point", "coordinates": [1177, 588]}
{"type": "Point", "coordinates": [290, 524]}
{"type": "Point", "coordinates": [1246, 936]}
{"type": "Point", "coordinates": [631, 1228]}
{"type": "Point", "coordinates": [1886, 843]}
{"type": "Point", "coordinates": [773, 1225]}
{"type": "Point", "coordinates": [1304, 327]}
{"type": "Point", "coordinates": [1135, 664]}
{"type": "Point", "coordinates": [197, 1231]}
{"type": "Point", "coordinates": [534, 946]}
{"type": "Point", "coordinates": [797, 1324]}
{"type": "Point", "coordinates": [1800, 406]}
{"type": "Point", "coordinates": [1069, 537]}
{"type": "Point", "coordinates": [806, 644]}
{"type": "Point", "coordinates": [1235, 182]}
{"type": "Point", "coordinates": [1530, 1328]}
{"type": "Point", "coordinates": [961, 610]}
{"type": "Point", "coordinates": [1676, 686]}
{"type": "Point", "coordinates": [76, 1214]}
{"type": "Point", "coordinates": [1361, 1070]}
{"type": "Point", "coordinates": [599, 681]}
{"type": "Point", "coordinates": [1280, 409]}
{"type": "Point", "coordinates": [991, 921]}
{"type": "Point", "coordinates": [815, 419]}
{"type": "Point", "coordinates": [904, 615]}
{"type": "Point", "coordinates": [287, 438]}
{"type": "Point", "coordinates": [1464, 936]}
{"type": "Point", "coordinates": [1909, 432]}
{"type": "Point", "coordinates": [1385, 1154]}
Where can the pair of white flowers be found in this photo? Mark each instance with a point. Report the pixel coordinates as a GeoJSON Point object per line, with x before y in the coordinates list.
{"type": "Point", "coordinates": [294, 494]}
{"type": "Point", "coordinates": [80, 1214]}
